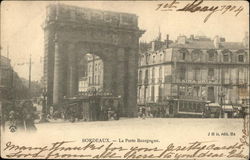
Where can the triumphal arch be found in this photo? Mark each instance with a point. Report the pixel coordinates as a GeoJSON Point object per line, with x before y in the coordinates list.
{"type": "Point", "coordinates": [113, 36]}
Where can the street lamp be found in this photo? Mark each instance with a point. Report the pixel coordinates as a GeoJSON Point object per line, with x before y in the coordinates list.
{"type": "Point", "coordinates": [221, 96]}
{"type": "Point", "coordinates": [44, 106]}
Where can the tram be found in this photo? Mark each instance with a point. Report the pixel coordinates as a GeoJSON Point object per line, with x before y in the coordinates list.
{"type": "Point", "coordinates": [186, 108]}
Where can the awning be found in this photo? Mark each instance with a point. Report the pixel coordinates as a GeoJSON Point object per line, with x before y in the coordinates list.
{"type": "Point", "coordinates": [213, 105]}
{"type": "Point", "coordinates": [227, 107]}
{"type": "Point", "coordinates": [237, 107]}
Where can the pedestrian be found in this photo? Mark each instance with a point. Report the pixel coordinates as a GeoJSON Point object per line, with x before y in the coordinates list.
{"type": "Point", "coordinates": [143, 113]}
{"type": "Point", "coordinates": [29, 116]}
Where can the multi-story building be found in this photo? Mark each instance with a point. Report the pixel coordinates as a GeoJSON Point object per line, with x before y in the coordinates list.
{"type": "Point", "coordinates": [195, 68]}
{"type": "Point", "coordinates": [11, 85]}
{"type": "Point", "coordinates": [93, 77]}
{"type": "Point", "coordinates": [83, 84]}
{"type": "Point", "coordinates": [95, 72]}
{"type": "Point", "coordinates": [5, 70]}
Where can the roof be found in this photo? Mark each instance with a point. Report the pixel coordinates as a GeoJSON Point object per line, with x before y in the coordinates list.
{"type": "Point", "coordinates": [208, 45]}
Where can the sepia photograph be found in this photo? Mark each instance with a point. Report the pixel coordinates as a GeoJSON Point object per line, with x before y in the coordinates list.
{"type": "Point", "coordinates": [125, 79]}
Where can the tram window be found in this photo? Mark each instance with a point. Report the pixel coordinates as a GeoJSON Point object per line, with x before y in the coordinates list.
{"type": "Point", "coordinates": [185, 104]}
{"type": "Point", "coordinates": [188, 106]}
{"type": "Point", "coordinates": [180, 105]}
{"type": "Point", "coordinates": [116, 103]}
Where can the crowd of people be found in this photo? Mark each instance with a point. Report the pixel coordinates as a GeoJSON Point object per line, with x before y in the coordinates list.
{"type": "Point", "coordinates": [21, 117]}
{"type": "Point", "coordinates": [153, 112]}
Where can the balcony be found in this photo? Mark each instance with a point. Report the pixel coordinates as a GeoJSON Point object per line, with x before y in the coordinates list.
{"type": "Point", "coordinates": [242, 81]}
{"type": "Point", "coordinates": [226, 81]}
{"type": "Point", "coordinates": [160, 80]}
{"type": "Point", "coordinates": [146, 81]}
{"type": "Point", "coordinates": [140, 82]}
{"type": "Point", "coordinates": [195, 81]}
{"type": "Point", "coordinates": [191, 97]}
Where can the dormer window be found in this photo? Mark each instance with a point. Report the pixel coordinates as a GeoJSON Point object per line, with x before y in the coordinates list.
{"type": "Point", "coordinates": [225, 58]}
{"type": "Point", "coordinates": [240, 58]}
{"type": "Point", "coordinates": [183, 53]}
{"type": "Point", "coordinates": [211, 56]}
{"type": "Point", "coordinates": [196, 54]}
{"type": "Point", "coordinates": [226, 55]}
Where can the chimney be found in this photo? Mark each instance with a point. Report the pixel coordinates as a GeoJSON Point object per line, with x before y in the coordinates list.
{"type": "Point", "coordinates": [167, 41]}
{"type": "Point", "coordinates": [216, 42]}
{"type": "Point", "coordinates": [181, 40]}
{"type": "Point", "coordinates": [153, 45]}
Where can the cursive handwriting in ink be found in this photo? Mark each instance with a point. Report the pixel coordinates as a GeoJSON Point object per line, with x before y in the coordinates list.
{"type": "Point", "coordinates": [167, 6]}
{"type": "Point", "coordinates": [197, 6]}
{"type": "Point", "coordinates": [66, 149]}
{"type": "Point", "coordinates": [245, 137]}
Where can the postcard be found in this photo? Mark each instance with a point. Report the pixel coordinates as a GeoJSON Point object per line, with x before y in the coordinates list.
{"type": "Point", "coordinates": [125, 80]}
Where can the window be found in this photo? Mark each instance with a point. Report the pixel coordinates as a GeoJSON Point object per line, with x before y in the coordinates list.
{"type": "Point", "coordinates": [99, 79]}
{"type": "Point", "coordinates": [196, 74]}
{"type": "Point", "coordinates": [182, 90]}
{"type": "Point", "coordinates": [140, 76]}
{"type": "Point", "coordinates": [225, 58]}
{"type": "Point", "coordinates": [153, 59]}
{"type": "Point", "coordinates": [160, 73]}
{"type": "Point", "coordinates": [161, 59]}
{"type": "Point", "coordinates": [89, 80]}
{"type": "Point", "coordinates": [196, 54]}
{"type": "Point", "coordinates": [146, 74]}
{"type": "Point", "coordinates": [196, 91]}
{"type": "Point", "coordinates": [152, 93]}
{"type": "Point", "coordinates": [182, 73]}
{"type": "Point", "coordinates": [153, 73]}
{"type": "Point", "coordinates": [142, 59]}
{"type": "Point", "coordinates": [189, 91]}
{"type": "Point", "coordinates": [240, 58]}
{"type": "Point", "coordinates": [210, 73]}
{"type": "Point", "coordinates": [183, 56]}
{"type": "Point", "coordinates": [147, 59]}
{"type": "Point", "coordinates": [210, 56]}
{"type": "Point", "coordinates": [89, 68]}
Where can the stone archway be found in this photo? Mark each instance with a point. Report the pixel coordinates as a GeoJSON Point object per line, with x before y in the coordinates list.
{"type": "Point", "coordinates": [112, 36]}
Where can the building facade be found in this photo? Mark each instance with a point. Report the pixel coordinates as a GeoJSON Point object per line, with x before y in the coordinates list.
{"type": "Point", "coordinates": [195, 68]}
{"type": "Point", "coordinates": [94, 74]}
{"type": "Point", "coordinates": [11, 85]}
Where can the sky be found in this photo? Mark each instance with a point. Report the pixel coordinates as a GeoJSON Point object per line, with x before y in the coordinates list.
{"type": "Point", "coordinates": [22, 33]}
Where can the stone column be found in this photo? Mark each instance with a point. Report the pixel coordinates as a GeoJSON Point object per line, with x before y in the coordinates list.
{"type": "Point", "coordinates": [132, 81]}
{"type": "Point", "coordinates": [120, 83]}
{"type": "Point", "coordinates": [72, 80]}
{"type": "Point", "coordinates": [57, 83]}
{"type": "Point", "coordinates": [107, 75]}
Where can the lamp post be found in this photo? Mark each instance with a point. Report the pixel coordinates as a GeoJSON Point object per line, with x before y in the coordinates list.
{"type": "Point", "coordinates": [44, 107]}
{"type": "Point", "coordinates": [221, 96]}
